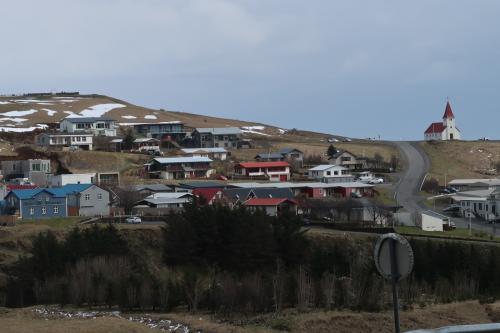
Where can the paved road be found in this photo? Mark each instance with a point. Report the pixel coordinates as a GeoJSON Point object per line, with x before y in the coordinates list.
{"type": "Point", "coordinates": [416, 164]}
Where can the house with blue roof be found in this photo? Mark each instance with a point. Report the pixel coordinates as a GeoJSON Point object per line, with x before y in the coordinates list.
{"type": "Point", "coordinates": [69, 200]}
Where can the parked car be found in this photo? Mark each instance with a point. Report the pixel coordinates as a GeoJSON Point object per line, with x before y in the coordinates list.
{"type": "Point", "coordinates": [444, 191]}
{"type": "Point", "coordinates": [346, 140]}
{"type": "Point", "coordinates": [331, 140]}
{"type": "Point", "coordinates": [327, 219]}
{"type": "Point", "coordinates": [376, 181]}
{"type": "Point", "coordinates": [356, 195]}
{"type": "Point", "coordinates": [133, 220]}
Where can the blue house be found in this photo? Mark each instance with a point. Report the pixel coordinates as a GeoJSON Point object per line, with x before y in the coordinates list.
{"type": "Point", "coordinates": [69, 200]}
{"type": "Point", "coordinates": [37, 203]}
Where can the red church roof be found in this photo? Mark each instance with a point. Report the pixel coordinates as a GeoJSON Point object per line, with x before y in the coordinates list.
{"type": "Point", "coordinates": [435, 128]}
{"type": "Point", "coordinates": [448, 113]}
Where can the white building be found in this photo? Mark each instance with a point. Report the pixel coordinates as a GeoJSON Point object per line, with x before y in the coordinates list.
{"type": "Point", "coordinates": [213, 153]}
{"type": "Point", "coordinates": [99, 126]}
{"type": "Point", "coordinates": [77, 140]}
{"type": "Point", "coordinates": [73, 178]}
{"type": "Point", "coordinates": [146, 145]}
{"type": "Point", "coordinates": [475, 184]}
{"type": "Point", "coordinates": [482, 204]}
{"type": "Point", "coordinates": [432, 221]}
{"type": "Point", "coordinates": [445, 130]}
{"type": "Point", "coordinates": [330, 173]}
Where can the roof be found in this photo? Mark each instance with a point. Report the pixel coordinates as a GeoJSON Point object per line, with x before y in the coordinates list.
{"type": "Point", "coordinates": [247, 165]}
{"type": "Point", "coordinates": [152, 187]}
{"type": "Point", "coordinates": [220, 130]}
{"type": "Point", "coordinates": [324, 167]}
{"type": "Point", "coordinates": [435, 128]}
{"type": "Point", "coordinates": [202, 184]}
{"type": "Point", "coordinates": [489, 182]}
{"type": "Point", "coordinates": [169, 195]}
{"type": "Point", "coordinates": [11, 187]}
{"type": "Point", "coordinates": [436, 215]}
{"type": "Point", "coordinates": [139, 140]}
{"type": "Point", "coordinates": [59, 192]}
{"type": "Point", "coordinates": [259, 192]}
{"type": "Point", "coordinates": [291, 185]}
{"type": "Point", "coordinates": [267, 201]}
{"type": "Point", "coordinates": [174, 160]}
{"type": "Point", "coordinates": [448, 112]}
{"type": "Point", "coordinates": [204, 150]}
{"type": "Point", "coordinates": [270, 155]}
{"type": "Point", "coordinates": [87, 119]}
{"type": "Point", "coordinates": [160, 201]}
{"type": "Point", "coordinates": [207, 193]}
{"type": "Point", "coordinates": [116, 141]}
{"type": "Point", "coordinates": [341, 152]}
{"type": "Point", "coordinates": [289, 150]}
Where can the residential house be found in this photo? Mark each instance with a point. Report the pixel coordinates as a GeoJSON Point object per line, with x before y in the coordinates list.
{"type": "Point", "coordinates": [165, 200]}
{"type": "Point", "coordinates": [236, 196]}
{"type": "Point", "coordinates": [292, 155]}
{"type": "Point", "coordinates": [273, 171]}
{"type": "Point", "coordinates": [483, 204]}
{"type": "Point", "coordinates": [272, 206]}
{"type": "Point", "coordinates": [61, 140]}
{"type": "Point", "coordinates": [99, 126]}
{"type": "Point", "coordinates": [226, 137]}
{"type": "Point", "coordinates": [330, 173]}
{"type": "Point", "coordinates": [180, 167]}
{"type": "Point", "coordinates": [217, 153]}
{"type": "Point", "coordinates": [445, 130]}
{"type": "Point", "coordinates": [208, 196]}
{"type": "Point", "coordinates": [69, 200]}
{"type": "Point", "coordinates": [347, 160]}
{"type": "Point", "coordinates": [269, 157]}
{"type": "Point", "coordinates": [165, 130]}
{"type": "Point", "coordinates": [35, 170]}
{"type": "Point", "coordinates": [148, 189]}
{"type": "Point", "coordinates": [146, 145]}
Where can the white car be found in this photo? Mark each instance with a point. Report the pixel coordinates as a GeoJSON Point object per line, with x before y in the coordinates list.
{"type": "Point", "coordinates": [133, 220]}
{"type": "Point", "coordinates": [330, 140]}
{"type": "Point", "coordinates": [376, 181]}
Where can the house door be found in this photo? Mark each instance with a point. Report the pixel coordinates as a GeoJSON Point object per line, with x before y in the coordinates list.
{"type": "Point", "coordinates": [451, 136]}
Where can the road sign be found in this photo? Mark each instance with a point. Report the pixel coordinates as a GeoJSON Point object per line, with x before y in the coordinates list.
{"type": "Point", "coordinates": [394, 260]}
{"type": "Point", "coordinates": [403, 256]}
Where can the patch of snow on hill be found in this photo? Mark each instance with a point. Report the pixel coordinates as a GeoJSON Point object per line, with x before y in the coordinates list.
{"type": "Point", "coordinates": [18, 113]}
{"type": "Point", "coordinates": [50, 112]}
{"type": "Point", "coordinates": [282, 131]}
{"type": "Point", "coordinates": [100, 109]}
{"type": "Point", "coordinates": [129, 117]}
{"type": "Point", "coordinates": [15, 120]}
{"type": "Point", "coordinates": [22, 129]}
{"type": "Point", "coordinates": [72, 114]}
{"type": "Point", "coordinates": [4, 102]}
{"type": "Point", "coordinates": [150, 116]}
{"type": "Point", "coordinates": [253, 128]}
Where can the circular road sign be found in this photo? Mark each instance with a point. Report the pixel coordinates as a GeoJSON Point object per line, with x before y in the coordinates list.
{"type": "Point", "coordinates": [401, 262]}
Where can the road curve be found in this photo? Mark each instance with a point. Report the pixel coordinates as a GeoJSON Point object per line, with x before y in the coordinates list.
{"type": "Point", "coordinates": [416, 166]}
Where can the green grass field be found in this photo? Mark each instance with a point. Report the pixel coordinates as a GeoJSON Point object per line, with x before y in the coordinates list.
{"type": "Point", "coordinates": [457, 233]}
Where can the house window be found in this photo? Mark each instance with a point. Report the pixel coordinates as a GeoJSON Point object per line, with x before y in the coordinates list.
{"type": "Point", "coordinates": [56, 210]}
{"type": "Point", "coordinates": [99, 196]}
{"type": "Point", "coordinates": [32, 211]}
{"type": "Point", "coordinates": [87, 197]}
{"type": "Point", "coordinates": [328, 173]}
{"type": "Point", "coordinates": [84, 139]}
{"type": "Point", "coordinates": [78, 139]}
{"type": "Point", "coordinates": [44, 210]}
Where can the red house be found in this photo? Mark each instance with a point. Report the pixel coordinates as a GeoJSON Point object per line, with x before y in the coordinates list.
{"type": "Point", "coordinates": [274, 171]}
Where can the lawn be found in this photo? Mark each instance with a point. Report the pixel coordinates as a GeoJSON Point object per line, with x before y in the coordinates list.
{"type": "Point", "coordinates": [457, 233]}
{"type": "Point", "coordinates": [55, 223]}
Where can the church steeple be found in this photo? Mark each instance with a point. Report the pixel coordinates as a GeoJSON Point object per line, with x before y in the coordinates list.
{"type": "Point", "coordinates": [448, 113]}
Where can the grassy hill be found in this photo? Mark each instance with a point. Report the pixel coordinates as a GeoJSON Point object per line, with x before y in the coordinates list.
{"type": "Point", "coordinates": [462, 159]}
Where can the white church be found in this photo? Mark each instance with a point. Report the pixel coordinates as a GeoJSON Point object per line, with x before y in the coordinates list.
{"type": "Point", "coordinates": [445, 130]}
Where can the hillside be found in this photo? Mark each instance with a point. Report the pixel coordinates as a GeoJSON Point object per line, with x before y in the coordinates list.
{"type": "Point", "coordinates": [463, 159]}
{"type": "Point", "coordinates": [28, 112]}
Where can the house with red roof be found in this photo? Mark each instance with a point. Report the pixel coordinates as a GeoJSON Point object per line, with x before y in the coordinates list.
{"type": "Point", "coordinates": [445, 130]}
{"type": "Point", "coordinates": [210, 195]}
{"type": "Point", "coordinates": [272, 206]}
{"type": "Point", "coordinates": [273, 171]}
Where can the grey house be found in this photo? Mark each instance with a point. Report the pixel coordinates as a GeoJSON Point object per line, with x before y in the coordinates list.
{"type": "Point", "coordinates": [225, 137]}
{"type": "Point", "coordinates": [36, 170]}
{"type": "Point", "coordinates": [88, 200]}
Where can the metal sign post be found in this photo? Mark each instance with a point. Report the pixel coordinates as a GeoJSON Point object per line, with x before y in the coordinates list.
{"type": "Point", "coordinates": [394, 260]}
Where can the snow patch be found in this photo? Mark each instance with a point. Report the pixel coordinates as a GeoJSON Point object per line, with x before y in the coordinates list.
{"type": "Point", "coordinates": [4, 102]}
{"type": "Point", "coordinates": [22, 129]}
{"type": "Point", "coordinates": [129, 117]}
{"type": "Point", "coordinates": [255, 132]}
{"type": "Point", "coordinates": [150, 116]}
{"type": "Point", "coordinates": [100, 109]}
{"type": "Point", "coordinates": [253, 128]}
{"type": "Point", "coordinates": [15, 120]}
{"type": "Point", "coordinates": [282, 131]}
{"type": "Point", "coordinates": [18, 113]}
{"type": "Point", "coordinates": [50, 112]}
{"type": "Point", "coordinates": [71, 114]}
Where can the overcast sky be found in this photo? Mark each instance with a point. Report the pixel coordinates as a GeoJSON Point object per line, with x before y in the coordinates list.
{"type": "Point", "coordinates": [355, 68]}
